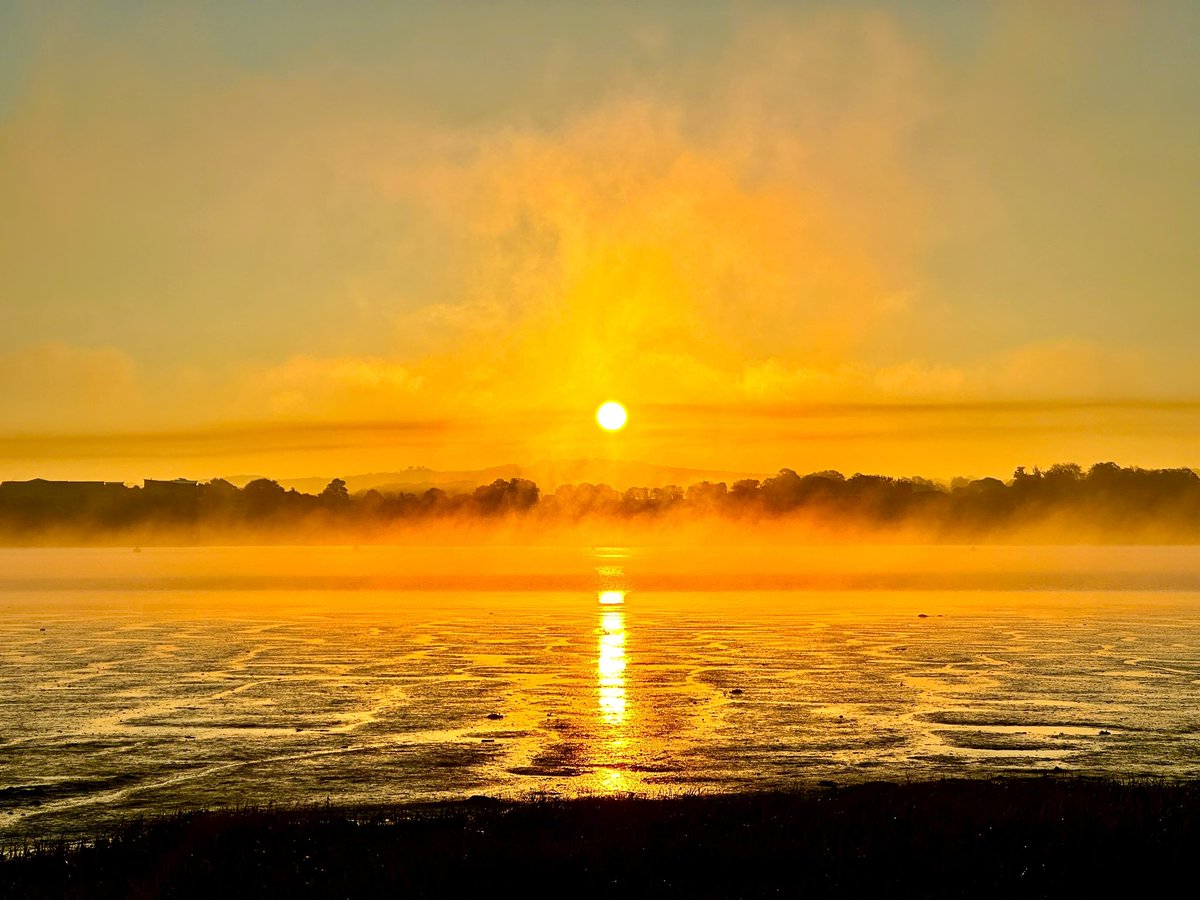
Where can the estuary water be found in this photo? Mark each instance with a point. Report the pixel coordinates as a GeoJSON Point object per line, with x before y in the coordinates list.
{"type": "Point", "coordinates": [154, 680]}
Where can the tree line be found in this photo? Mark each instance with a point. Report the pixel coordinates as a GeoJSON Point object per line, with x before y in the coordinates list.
{"type": "Point", "coordinates": [1105, 496]}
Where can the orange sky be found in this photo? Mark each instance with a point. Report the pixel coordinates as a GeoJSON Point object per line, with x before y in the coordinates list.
{"type": "Point", "coordinates": [901, 238]}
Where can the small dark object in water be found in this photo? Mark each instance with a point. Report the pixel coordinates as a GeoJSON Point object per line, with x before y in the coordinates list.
{"type": "Point", "coordinates": [494, 716]}
{"type": "Point", "coordinates": [922, 616]}
{"type": "Point", "coordinates": [488, 741]}
{"type": "Point", "coordinates": [1105, 731]}
{"type": "Point", "coordinates": [826, 783]}
{"type": "Point", "coordinates": [736, 692]}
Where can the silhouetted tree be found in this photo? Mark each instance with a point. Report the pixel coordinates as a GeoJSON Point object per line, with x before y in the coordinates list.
{"type": "Point", "coordinates": [1126, 502]}
{"type": "Point", "coordinates": [513, 495]}
{"type": "Point", "coordinates": [219, 500]}
{"type": "Point", "coordinates": [783, 491]}
{"type": "Point", "coordinates": [335, 496]}
{"type": "Point", "coordinates": [707, 497]}
{"type": "Point", "coordinates": [263, 497]}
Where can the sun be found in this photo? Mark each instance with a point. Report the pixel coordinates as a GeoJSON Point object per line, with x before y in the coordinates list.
{"type": "Point", "coordinates": [611, 416]}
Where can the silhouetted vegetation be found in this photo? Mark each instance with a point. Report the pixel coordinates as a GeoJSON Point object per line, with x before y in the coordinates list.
{"type": "Point", "coordinates": [1026, 837]}
{"type": "Point", "coordinates": [1106, 502]}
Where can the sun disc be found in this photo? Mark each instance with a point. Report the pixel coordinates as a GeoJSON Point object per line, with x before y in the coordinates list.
{"type": "Point", "coordinates": [611, 416]}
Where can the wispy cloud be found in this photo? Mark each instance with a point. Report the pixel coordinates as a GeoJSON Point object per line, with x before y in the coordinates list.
{"type": "Point", "coordinates": [914, 227]}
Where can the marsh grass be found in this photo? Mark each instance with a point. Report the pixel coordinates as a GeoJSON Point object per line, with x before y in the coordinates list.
{"type": "Point", "coordinates": [1016, 836]}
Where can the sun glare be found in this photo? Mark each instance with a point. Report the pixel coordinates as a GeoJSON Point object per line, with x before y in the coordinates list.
{"type": "Point", "coordinates": [611, 416]}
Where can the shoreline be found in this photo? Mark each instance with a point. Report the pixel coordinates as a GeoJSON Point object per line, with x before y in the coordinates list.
{"type": "Point", "coordinates": [1033, 835]}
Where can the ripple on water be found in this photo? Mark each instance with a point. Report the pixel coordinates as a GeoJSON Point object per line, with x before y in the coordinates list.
{"type": "Point", "coordinates": [201, 697]}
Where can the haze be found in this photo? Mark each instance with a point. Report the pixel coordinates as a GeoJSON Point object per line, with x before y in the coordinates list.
{"type": "Point", "coordinates": [910, 237]}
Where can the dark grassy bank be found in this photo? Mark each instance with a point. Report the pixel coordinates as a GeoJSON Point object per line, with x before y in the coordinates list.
{"type": "Point", "coordinates": [1020, 836]}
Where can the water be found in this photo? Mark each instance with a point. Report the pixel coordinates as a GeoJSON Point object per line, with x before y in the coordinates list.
{"type": "Point", "coordinates": [163, 679]}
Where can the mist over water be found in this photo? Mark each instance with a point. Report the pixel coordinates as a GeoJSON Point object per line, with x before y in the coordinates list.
{"type": "Point", "coordinates": [170, 678]}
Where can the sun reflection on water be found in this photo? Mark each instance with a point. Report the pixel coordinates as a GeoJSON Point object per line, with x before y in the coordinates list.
{"type": "Point", "coordinates": [613, 781]}
{"type": "Point", "coordinates": [610, 660]}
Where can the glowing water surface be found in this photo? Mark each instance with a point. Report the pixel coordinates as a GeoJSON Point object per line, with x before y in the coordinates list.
{"type": "Point", "coordinates": [174, 678]}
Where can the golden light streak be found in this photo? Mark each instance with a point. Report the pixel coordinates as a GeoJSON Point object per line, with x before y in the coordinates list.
{"type": "Point", "coordinates": [610, 665]}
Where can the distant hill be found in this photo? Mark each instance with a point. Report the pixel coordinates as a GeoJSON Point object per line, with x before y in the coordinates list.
{"type": "Point", "coordinates": [548, 475]}
{"type": "Point", "coordinates": [622, 474]}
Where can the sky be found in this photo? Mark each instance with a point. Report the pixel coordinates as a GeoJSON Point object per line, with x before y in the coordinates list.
{"type": "Point", "coordinates": [313, 238]}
